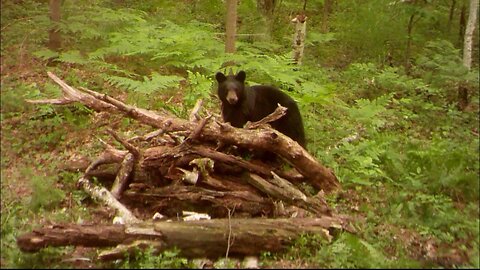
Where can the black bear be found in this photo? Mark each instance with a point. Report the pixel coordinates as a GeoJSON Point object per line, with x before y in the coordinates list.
{"type": "Point", "coordinates": [241, 103]}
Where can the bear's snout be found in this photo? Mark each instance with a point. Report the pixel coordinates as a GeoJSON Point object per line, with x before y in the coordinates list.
{"type": "Point", "coordinates": [232, 97]}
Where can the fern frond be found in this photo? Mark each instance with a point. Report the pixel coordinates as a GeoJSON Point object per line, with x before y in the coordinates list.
{"type": "Point", "coordinates": [73, 57]}
{"type": "Point", "coordinates": [148, 85]}
{"type": "Point", "coordinates": [45, 54]}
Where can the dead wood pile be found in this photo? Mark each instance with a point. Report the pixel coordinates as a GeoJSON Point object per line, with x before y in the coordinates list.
{"type": "Point", "coordinates": [195, 167]}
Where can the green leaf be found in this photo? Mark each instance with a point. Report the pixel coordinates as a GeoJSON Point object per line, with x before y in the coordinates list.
{"type": "Point", "coordinates": [45, 54]}
{"type": "Point", "coordinates": [72, 57]}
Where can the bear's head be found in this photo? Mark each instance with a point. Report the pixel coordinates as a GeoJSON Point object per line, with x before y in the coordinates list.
{"type": "Point", "coordinates": [231, 88]}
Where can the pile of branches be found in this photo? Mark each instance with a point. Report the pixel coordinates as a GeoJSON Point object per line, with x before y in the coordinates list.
{"type": "Point", "coordinates": [187, 184]}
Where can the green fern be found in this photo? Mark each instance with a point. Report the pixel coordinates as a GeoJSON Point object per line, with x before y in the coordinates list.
{"type": "Point", "coordinates": [369, 113]}
{"type": "Point", "coordinates": [200, 87]}
{"type": "Point", "coordinates": [148, 85]}
{"type": "Point", "coordinates": [89, 22]}
{"type": "Point", "coordinates": [45, 54]}
{"type": "Point", "coordinates": [72, 57]}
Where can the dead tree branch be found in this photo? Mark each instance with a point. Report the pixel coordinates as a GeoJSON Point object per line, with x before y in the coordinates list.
{"type": "Point", "coordinates": [264, 139]}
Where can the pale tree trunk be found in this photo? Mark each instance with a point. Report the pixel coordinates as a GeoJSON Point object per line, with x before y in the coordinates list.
{"type": "Point", "coordinates": [55, 39]}
{"type": "Point", "coordinates": [300, 22]}
{"type": "Point", "coordinates": [463, 99]}
{"type": "Point", "coordinates": [468, 39]}
{"type": "Point", "coordinates": [231, 26]}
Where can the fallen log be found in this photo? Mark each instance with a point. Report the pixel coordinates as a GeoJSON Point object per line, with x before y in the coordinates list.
{"type": "Point", "coordinates": [242, 192]}
{"type": "Point", "coordinates": [174, 199]}
{"type": "Point", "coordinates": [202, 238]}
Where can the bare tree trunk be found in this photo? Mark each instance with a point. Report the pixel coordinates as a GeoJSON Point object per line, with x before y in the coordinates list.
{"type": "Point", "coordinates": [300, 22]}
{"type": "Point", "coordinates": [450, 16]}
{"type": "Point", "coordinates": [468, 41]}
{"type": "Point", "coordinates": [463, 99]}
{"type": "Point", "coordinates": [327, 9]}
{"type": "Point", "coordinates": [411, 23]}
{"type": "Point", "coordinates": [462, 23]}
{"type": "Point", "coordinates": [55, 38]}
{"type": "Point", "coordinates": [231, 26]}
{"type": "Point", "coordinates": [266, 7]}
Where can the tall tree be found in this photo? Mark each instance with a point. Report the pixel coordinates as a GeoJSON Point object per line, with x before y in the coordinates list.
{"type": "Point", "coordinates": [414, 17]}
{"type": "Point", "coordinates": [417, 10]}
{"type": "Point", "coordinates": [231, 26]}
{"type": "Point", "coordinates": [468, 38]}
{"type": "Point", "coordinates": [463, 98]}
{"type": "Point", "coordinates": [450, 15]}
{"type": "Point", "coordinates": [55, 39]}
{"type": "Point", "coordinates": [462, 23]}
{"type": "Point", "coordinates": [266, 7]}
{"type": "Point", "coordinates": [327, 10]}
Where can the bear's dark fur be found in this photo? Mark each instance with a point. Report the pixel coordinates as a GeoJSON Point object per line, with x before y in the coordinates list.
{"type": "Point", "coordinates": [241, 103]}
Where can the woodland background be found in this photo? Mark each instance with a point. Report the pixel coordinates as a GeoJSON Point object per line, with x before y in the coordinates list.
{"type": "Point", "coordinates": [388, 99]}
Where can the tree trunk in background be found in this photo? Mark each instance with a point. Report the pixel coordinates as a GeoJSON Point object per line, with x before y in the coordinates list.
{"type": "Point", "coordinates": [411, 23]}
{"type": "Point", "coordinates": [231, 26]}
{"type": "Point", "coordinates": [300, 22]}
{"type": "Point", "coordinates": [266, 7]}
{"type": "Point", "coordinates": [450, 15]}
{"type": "Point", "coordinates": [461, 33]}
{"type": "Point", "coordinates": [467, 52]}
{"type": "Point", "coordinates": [327, 9]}
{"type": "Point", "coordinates": [468, 41]}
{"type": "Point", "coordinates": [55, 39]}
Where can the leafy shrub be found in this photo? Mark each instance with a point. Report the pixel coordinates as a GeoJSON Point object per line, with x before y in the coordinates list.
{"type": "Point", "coordinates": [437, 167]}
{"type": "Point", "coordinates": [346, 251]}
{"type": "Point", "coordinates": [45, 195]}
{"type": "Point", "coordinates": [440, 64]}
{"type": "Point", "coordinates": [149, 259]}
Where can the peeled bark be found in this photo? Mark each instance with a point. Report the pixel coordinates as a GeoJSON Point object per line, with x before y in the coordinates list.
{"type": "Point", "coordinates": [300, 22]}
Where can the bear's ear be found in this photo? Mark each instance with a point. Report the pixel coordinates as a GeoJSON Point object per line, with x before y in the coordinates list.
{"type": "Point", "coordinates": [220, 77]}
{"type": "Point", "coordinates": [241, 76]}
